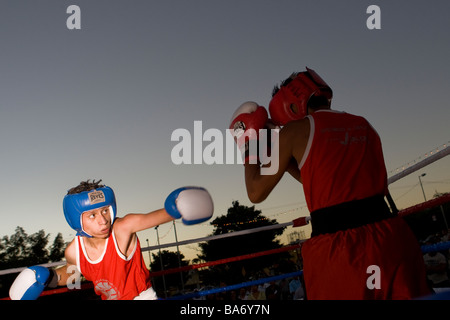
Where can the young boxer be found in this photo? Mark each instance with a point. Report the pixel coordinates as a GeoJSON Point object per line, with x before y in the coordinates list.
{"type": "Point", "coordinates": [106, 249]}
{"type": "Point", "coordinates": [358, 249]}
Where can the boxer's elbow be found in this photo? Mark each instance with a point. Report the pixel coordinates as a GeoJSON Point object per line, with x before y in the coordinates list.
{"type": "Point", "coordinates": [256, 195]}
{"type": "Point", "coordinates": [258, 185]}
{"type": "Point", "coordinates": [255, 199]}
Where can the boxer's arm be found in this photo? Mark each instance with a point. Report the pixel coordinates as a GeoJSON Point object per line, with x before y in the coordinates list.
{"type": "Point", "coordinates": [191, 204]}
{"type": "Point", "coordinates": [260, 186]}
{"type": "Point", "coordinates": [67, 272]}
{"type": "Point", "coordinates": [293, 139]}
{"type": "Point", "coordinates": [135, 222]}
{"type": "Point", "coordinates": [293, 170]}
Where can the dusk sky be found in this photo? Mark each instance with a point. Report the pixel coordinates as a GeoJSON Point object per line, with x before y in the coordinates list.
{"type": "Point", "coordinates": [102, 102]}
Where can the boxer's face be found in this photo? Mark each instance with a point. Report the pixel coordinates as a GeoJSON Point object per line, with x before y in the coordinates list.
{"type": "Point", "coordinates": [97, 222]}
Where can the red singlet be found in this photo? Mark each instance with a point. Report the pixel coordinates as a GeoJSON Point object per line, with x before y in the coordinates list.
{"type": "Point", "coordinates": [115, 276]}
{"type": "Point", "coordinates": [344, 162]}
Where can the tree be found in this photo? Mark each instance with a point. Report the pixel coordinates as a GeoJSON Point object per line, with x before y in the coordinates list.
{"type": "Point", "coordinates": [170, 260]}
{"type": "Point", "coordinates": [38, 252]}
{"type": "Point", "coordinates": [239, 218]}
{"type": "Point", "coordinates": [16, 249]}
{"type": "Point", "coordinates": [23, 250]}
{"type": "Point", "coordinates": [57, 249]}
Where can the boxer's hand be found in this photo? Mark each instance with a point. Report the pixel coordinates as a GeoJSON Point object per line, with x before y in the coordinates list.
{"type": "Point", "coordinates": [30, 283]}
{"type": "Point", "coordinates": [192, 204]}
{"type": "Point", "coordinates": [246, 122]}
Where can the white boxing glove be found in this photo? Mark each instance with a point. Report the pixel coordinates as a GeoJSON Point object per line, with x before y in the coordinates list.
{"type": "Point", "coordinates": [30, 283]}
{"type": "Point", "coordinates": [192, 204]}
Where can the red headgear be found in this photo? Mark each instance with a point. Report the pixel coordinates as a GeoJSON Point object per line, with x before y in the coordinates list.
{"type": "Point", "coordinates": [297, 90]}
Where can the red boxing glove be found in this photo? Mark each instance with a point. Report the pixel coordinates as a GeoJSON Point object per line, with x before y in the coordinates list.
{"type": "Point", "coordinates": [245, 124]}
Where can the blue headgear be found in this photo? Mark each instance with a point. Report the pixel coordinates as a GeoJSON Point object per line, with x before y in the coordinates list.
{"type": "Point", "coordinates": [75, 204]}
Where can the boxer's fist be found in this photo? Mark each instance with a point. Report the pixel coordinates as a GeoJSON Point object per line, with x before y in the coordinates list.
{"type": "Point", "coordinates": [30, 283]}
{"type": "Point", "coordinates": [192, 204]}
{"type": "Point", "coordinates": [246, 121]}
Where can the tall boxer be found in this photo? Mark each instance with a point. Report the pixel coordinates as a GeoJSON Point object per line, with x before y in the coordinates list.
{"type": "Point", "coordinates": [106, 249]}
{"type": "Point", "coordinates": [338, 158]}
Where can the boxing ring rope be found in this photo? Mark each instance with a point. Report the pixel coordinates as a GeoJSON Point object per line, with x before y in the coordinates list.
{"type": "Point", "coordinates": [222, 236]}
{"type": "Point", "coordinates": [425, 205]}
{"type": "Point", "coordinates": [49, 292]}
{"type": "Point", "coordinates": [295, 223]}
{"type": "Point", "coordinates": [223, 261]}
{"type": "Point", "coordinates": [432, 156]}
{"type": "Point", "coordinates": [237, 286]}
{"type": "Point", "coordinates": [302, 221]}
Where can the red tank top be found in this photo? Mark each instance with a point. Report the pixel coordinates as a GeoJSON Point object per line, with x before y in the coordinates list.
{"type": "Point", "coordinates": [115, 276]}
{"type": "Point", "coordinates": [343, 160]}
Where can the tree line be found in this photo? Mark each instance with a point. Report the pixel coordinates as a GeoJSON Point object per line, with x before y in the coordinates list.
{"type": "Point", "coordinates": [22, 249]}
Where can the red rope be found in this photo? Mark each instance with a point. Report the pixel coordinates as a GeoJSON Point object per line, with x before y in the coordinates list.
{"type": "Point", "coordinates": [226, 260]}
{"type": "Point", "coordinates": [84, 286]}
{"type": "Point", "coordinates": [425, 205]}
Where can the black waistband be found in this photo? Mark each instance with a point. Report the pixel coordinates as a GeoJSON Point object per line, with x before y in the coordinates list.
{"type": "Point", "coordinates": [349, 215]}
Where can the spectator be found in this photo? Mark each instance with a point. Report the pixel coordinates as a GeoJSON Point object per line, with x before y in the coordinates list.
{"type": "Point", "coordinates": [243, 294]}
{"type": "Point", "coordinates": [294, 285]}
{"type": "Point", "coordinates": [256, 294]}
{"type": "Point", "coordinates": [273, 291]}
{"type": "Point", "coordinates": [299, 293]}
{"type": "Point", "coordinates": [436, 267]}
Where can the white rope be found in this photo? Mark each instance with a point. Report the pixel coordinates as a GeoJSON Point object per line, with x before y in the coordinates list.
{"type": "Point", "coordinates": [220, 236]}
{"type": "Point", "coordinates": [434, 156]}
